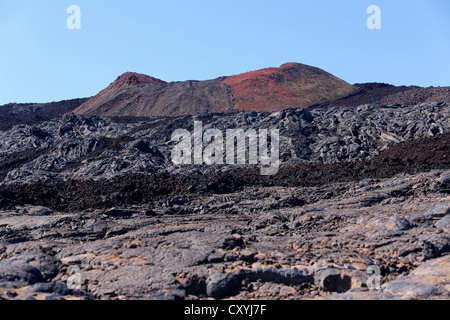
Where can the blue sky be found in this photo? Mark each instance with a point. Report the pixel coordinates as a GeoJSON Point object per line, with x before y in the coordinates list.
{"type": "Point", "coordinates": [42, 60]}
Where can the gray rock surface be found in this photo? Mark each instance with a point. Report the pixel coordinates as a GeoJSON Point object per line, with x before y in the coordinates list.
{"type": "Point", "coordinates": [82, 148]}
{"type": "Point", "coordinates": [321, 249]}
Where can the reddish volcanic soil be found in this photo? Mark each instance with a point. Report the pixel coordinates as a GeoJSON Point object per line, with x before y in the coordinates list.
{"type": "Point", "coordinates": [292, 85]}
{"type": "Point", "coordinates": [425, 151]}
{"type": "Point", "coordinates": [250, 89]}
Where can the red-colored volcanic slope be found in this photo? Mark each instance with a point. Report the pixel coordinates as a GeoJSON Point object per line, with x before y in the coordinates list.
{"type": "Point", "coordinates": [291, 85]}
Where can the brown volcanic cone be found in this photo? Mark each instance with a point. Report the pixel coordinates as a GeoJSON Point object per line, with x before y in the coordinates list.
{"type": "Point", "coordinates": [292, 85]}
{"type": "Point", "coordinates": [126, 80]}
{"type": "Point", "coordinates": [130, 79]}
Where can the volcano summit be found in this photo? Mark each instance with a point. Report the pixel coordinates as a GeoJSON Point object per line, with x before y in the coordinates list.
{"type": "Point", "coordinates": [292, 85]}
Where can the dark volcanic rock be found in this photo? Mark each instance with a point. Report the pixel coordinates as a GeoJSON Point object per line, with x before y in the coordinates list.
{"type": "Point", "coordinates": [35, 113]}
{"type": "Point", "coordinates": [84, 148]}
{"type": "Point", "coordinates": [19, 274]}
{"type": "Point", "coordinates": [357, 187]}
{"type": "Point", "coordinates": [222, 285]}
{"type": "Point", "coordinates": [385, 94]}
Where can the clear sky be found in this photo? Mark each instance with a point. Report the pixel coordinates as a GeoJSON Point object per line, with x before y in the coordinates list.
{"type": "Point", "coordinates": [41, 60]}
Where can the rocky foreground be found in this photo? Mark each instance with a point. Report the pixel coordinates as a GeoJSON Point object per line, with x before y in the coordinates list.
{"type": "Point", "coordinates": [250, 244]}
{"type": "Point", "coordinates": [358, 188]}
